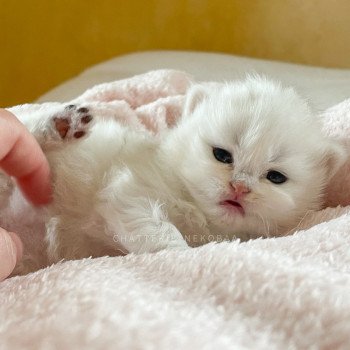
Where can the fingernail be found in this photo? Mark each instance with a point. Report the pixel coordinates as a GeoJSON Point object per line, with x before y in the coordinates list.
{"type": "Point", "coordinates": [18, 246]}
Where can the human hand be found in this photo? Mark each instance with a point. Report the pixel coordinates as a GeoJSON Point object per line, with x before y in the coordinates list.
{"type": "Point", "coordinates": [22, 158]}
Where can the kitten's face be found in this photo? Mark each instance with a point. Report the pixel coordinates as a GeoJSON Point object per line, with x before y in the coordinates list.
{"type": "Point", "coordinates": [254, 158]}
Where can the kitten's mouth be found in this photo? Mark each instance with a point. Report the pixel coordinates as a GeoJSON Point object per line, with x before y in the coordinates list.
{"type": "Point", "coordinates": [233, 205]}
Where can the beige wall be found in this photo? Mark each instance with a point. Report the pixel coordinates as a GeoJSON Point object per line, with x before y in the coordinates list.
{"type": "Point", "coordinates": [44, 42]}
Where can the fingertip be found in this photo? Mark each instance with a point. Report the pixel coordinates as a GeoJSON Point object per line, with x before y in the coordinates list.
{"type": "Point", "coordinates": [18, 245]}
{"type": "Point", "coordinates": [43, 200]}
{"type": "Point", "coordinates": [37, 186]}
{"type": "Point", "coordinates": [44, 192]}
{"type": "Point", "coordinates": [22, 158]}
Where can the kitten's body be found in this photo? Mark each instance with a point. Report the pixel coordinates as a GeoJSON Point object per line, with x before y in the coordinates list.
{"type": "Point", "coordinates": [122, 190]}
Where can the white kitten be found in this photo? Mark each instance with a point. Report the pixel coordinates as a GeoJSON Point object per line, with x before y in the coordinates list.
{"type": "Point", "coordinates": [246, 159]}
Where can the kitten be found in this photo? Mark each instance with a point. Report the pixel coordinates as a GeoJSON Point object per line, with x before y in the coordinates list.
{"type": "Point", "coordinates": [246, 159]}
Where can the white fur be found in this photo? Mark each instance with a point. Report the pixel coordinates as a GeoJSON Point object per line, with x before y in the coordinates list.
{"type": "Point", "coordinates": [123, 190]}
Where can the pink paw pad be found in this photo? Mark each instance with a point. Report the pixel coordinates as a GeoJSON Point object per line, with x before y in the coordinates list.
{"type": "Point", "coordinates": [73, 122]}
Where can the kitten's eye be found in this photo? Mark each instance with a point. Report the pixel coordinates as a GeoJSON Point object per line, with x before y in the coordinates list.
{"type": "Point", "coordinates": [276, 177]}
{"type": "Point", "coordinates": [222, 155]}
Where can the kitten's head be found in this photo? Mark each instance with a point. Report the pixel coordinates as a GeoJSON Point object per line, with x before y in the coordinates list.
{"type": "Point", "coordinates": [253, 156]}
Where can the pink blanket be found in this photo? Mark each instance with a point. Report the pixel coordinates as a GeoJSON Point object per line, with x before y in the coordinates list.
{"type": "Point", "coordinates": [277, 293]}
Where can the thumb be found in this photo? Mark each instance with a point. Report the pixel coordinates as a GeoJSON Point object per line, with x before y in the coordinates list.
{"type": "Point", "coordinates": [11, 249]}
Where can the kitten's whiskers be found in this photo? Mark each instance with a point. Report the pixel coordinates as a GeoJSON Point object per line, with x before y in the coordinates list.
{"type": "Point", "coordinates": [265, 224]}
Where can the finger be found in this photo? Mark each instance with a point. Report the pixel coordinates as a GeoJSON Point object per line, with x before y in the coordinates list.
{"type": "Point", "coordinates": [22, 157]}
{"type": "Point", "coordinates": [11, 251]}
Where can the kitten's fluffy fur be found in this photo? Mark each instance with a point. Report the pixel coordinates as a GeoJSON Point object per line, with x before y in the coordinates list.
{"type": "Point", "coordinates": [122, 189]}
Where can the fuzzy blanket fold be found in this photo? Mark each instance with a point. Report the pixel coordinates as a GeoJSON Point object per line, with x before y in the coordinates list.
{"type": "Point", "coordinates": [278, 293]}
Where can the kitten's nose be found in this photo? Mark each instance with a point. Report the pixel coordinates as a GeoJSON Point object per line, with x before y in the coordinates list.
{"type": "Point", "coordinates": [240, 188]}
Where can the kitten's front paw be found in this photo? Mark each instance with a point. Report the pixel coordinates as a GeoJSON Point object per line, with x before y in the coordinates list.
{"type": "Point", "coordinates": [73, 122]}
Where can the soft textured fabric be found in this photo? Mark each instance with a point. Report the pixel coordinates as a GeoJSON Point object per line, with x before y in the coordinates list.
{"type": "Point", "coordinates": [277, 293]}
{"type": "Point", "coordinates": [285, 293]}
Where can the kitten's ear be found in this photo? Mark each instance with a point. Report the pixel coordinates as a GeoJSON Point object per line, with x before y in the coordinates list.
{"type": "Point", "coordinates": [194, 96]}
{"type": "Point", "coordinates": [334, 157]}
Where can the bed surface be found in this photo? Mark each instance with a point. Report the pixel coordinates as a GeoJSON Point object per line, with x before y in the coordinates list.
{"type": "Point", "coordinates": [324, 87]}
